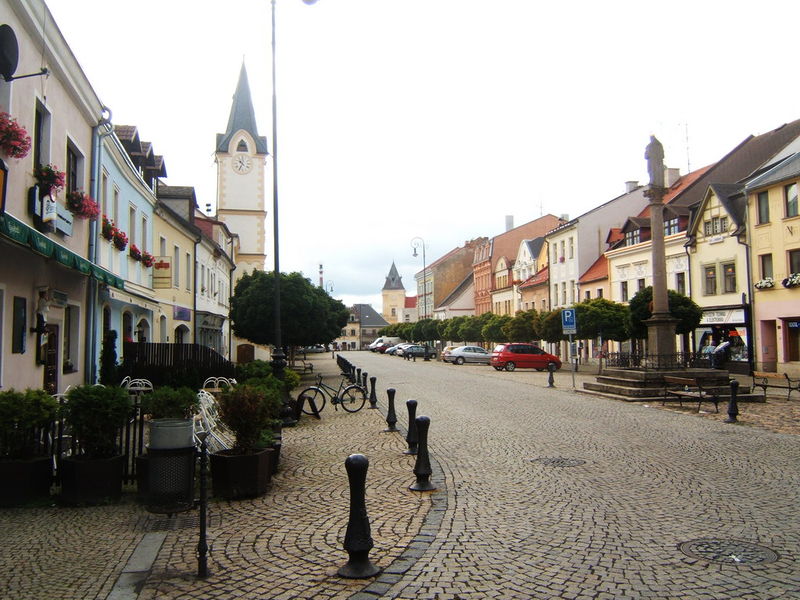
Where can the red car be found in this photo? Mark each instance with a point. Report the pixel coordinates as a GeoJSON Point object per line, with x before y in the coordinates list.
{"type": "Point", "coordinates": [523, 356]}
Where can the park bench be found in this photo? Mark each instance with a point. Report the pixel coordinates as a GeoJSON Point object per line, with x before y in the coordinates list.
{"type": "Point", "coordinates": [302, 366]}
{"type": "Point", "coordinates": [690, 389]}
{"type": "Point", "coordinates": [779, 381]}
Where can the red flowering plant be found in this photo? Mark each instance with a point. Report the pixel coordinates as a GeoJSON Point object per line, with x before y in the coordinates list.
{"type": "Point", "coordinates": [82, 206]}
{"type": "Point", "coordinates": [120, 239]}
{"type": "Point", "coordinates": [49, 179]}
{"type": "Point", "coordinates": [108, 228]}
{"type": "Point", "coordinates": [135, 253]}
{"type": "Point", "coordinates": [14, 140]}
{"type": "Point", "coordinates": [147, 259]}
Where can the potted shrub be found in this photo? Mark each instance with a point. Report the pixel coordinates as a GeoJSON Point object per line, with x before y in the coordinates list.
{"type": "Point", "coordinates": [171, 411]}
{"type": "Point", "coordinates": [94, 414]}
{"type": "Point", "coordinates": [245, 470]}
{"type": "Point", "coordinates": [25, 473]}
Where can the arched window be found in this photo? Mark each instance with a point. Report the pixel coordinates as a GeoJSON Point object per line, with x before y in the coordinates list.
{"type": "Point", "coordinates": [242, 147]}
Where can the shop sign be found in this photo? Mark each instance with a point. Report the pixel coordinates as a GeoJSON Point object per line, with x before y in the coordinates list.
{"type": "Point", "coordinates": [162, 272]}
{"type": "Point", "coordinates": [721, 317]}
{"type": "Point", "coordinates": [180, 313]}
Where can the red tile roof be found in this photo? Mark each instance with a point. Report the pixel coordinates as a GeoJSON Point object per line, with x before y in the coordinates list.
{"type": "Point", "coordinates": [539, 278]}
{"type": "Point", "coordinates": [598, 271]}
{"type": "Point", "coordinates": [676, 188]}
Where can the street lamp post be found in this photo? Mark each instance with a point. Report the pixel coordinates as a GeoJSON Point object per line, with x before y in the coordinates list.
{"type": "Point", "coordinates": [278, 361]}
{"type": "Point", "coordinates": [416, 243]}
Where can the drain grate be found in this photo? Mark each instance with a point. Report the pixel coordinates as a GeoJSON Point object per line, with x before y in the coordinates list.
{"type": "Point", "coordinates": [180, 522]}
{"type": "Point", "coordinates": [560, 461]}
{"type": "Point", "coordinates": [728, 552]}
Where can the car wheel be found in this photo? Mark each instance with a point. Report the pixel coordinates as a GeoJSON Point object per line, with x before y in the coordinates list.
{"type": "Point", "coordinates": [498, 368]}
{"type": "Point", "coordinates": [460, 360]}
{"type": "Point", "coordinates": [432, 355]}
{"type": "Point", "coordinates": [539, 369]}
{"type": "Point", "coordinates": [510, 366]}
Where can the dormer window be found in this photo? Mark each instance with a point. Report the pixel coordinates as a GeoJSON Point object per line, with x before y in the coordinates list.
{"type": "Point", "coordinates": [242, 146]}
{"type": "Point", "coordinates": [632, 237]}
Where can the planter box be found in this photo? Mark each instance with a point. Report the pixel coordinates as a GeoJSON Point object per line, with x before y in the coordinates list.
{"type": "Point", "coordinates": [235, 476]}
{"type": "Point", "coordinates": [24, 480]}
{"type": "Point", "coordinates": [91, 481]}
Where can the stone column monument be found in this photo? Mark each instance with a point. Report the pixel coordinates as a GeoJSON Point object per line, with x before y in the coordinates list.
{"type": "Point", "coordinates": [661, 325]}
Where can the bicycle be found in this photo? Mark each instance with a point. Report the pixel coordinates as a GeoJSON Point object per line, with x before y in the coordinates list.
{"type": "Point", "coordinates": [351, 397]}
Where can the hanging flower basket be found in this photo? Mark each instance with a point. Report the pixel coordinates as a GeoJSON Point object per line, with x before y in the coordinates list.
{"type": "Point", "coordinates": [49, 179]}
{"type": "Point", "coordinates": [764, 284]}
{"type": "Point", "coordinates": [120, 239]}
{"type": "Point", "coordinates": [147, 259]}
{"type": "Point", "coordinates": [791, 281]}
{"type": "Point", "coordinates": [14, 140]}
{"type": "Point", "coordinates": [107, 229]}
{"type": "Point", "coordinates": [82, 206]}
{"type": "Point", "coordinates": [135, 253]}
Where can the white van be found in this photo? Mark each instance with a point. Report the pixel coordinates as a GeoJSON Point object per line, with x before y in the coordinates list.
{"type": "Point", "coordinates": [384, 340]}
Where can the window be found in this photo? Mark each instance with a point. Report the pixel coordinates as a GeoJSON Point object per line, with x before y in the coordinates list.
{"type": "Point", "coordinates": [563, 293]}
{"type": "Point", "coordinates": [710, 275]}
{"type": "Point", "coordinates": [115, 206]}
{"type": "Point", "coordinates": [794, 261]}
{"type": "Point", "coordinates": [588, 295]}
{"type": "Point", "coordinates": [763, 207]}
{"type": "Point", "coordinates": [132, 224]}
{"type": "Point", "coordinates": [624, 291]}
{"type": "Point", "coordinates": [640, 285]}
{"type": "Point", "coordinates": [104, 193]}
{"type": "Point", "coordinates": [176, 267]}
{"type": "Point", "coordinates": [555, 254]}
{"type": "Point", "coordinates": [680, 283]}
{"type": "Point", "coordinates": [143, 234]}
{"type": "Point", "coordinates": [394, 312]}
{"type": "Point", "coordinates": [188, 271]}
{"type": "Point", "coordinates": [671, 226]}
{"type": "Point", "coordinates": [729, 278]}
{"type": "Point", "coordinates": [790, 198]}
{"type": "Point", "coordinates": [715, 226]}
{"type": "Point", "coordinates": [563, 252]}
{"type": "Point", "coordinates": [242, 146]}
{"type": "Point", "coordinates": [73, 169]}
{"type": "Point", "coordinates": [599, 292]}
{"type": "Point", "coordinates": [352, 332]}
{"type": "Point", "coordinates": [765, 265]}
{"type": "Point", "coordinates": [70, 340]}
{"type": "Point", "coordinates": [572, 292]}
{"type": "Point", "coordinates": [632, 237]}
{"type": "Point", "coordinates": [571, 248]}
{"type": "Point", "coordinates": [41, 136]}
{"type": "Point", "coordinates": [162, 245]}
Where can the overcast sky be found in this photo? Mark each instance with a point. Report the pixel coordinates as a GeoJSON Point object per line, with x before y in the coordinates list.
{"type": "Point", "coordinates": [436, 118]}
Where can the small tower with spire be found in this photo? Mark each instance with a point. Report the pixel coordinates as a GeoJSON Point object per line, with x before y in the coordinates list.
{"type": "Point", "coordinates": [394, 296]}
{"type": "Point", "coordinates": [241, 156]}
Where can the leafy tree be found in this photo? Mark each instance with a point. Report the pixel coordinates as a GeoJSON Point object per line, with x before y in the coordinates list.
{"type": "Point", "coordinates": [600, 316]}
{"type": "Point", "coordinates": [521, 327]}
{"type": "Point", "coordinates": [451, 330]}
{"type": "Point", "coordinates": [470, 329]}
{"type": "Point", "coordinates": [308, 314]}
{"type": "Point", "coordinates": [492, 331]}
{"type": "Point", "coordinates": [681, 307]}
{"type": "Point", "coordinates": [549, 326]}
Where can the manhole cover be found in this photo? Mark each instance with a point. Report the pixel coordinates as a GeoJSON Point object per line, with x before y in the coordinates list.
{"type": "Point", "coordinates": [560, 461]}
{"type": "Point", "coordinates": [729, 552]}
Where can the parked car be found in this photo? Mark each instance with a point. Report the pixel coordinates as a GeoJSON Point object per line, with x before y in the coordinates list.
{"type": "Point", "coordinates": [523, 356]}
{"type": "Point", "coordinates": [381, 348]}
{"type": "Point", "coordinates": [316, 348]}
{"type": "Point", "coordinates": [467, 354]}
{"type": "Point", "coordinates": [417, 350]}
{"type": "Point", "coordinates": [398, 349]}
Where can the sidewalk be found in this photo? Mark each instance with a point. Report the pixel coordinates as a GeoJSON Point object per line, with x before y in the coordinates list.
{"type": "Point", "coordinates": [287, 544]}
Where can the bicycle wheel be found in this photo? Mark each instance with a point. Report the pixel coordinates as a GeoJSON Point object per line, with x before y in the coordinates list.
{"type": "Point", "coordinates": [353, 398]}
{"type": "Point", "coordinates": [315, 395]}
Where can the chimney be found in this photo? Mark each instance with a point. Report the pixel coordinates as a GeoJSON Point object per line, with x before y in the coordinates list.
{"type": "Point", "coordinates": [564, 217]}
{"type": "Point", "coordinates": [630, 186]}
{"type": "Point", "coordinates": [671, 176]}
{"type": "Point", "coordinates": [509, 222]}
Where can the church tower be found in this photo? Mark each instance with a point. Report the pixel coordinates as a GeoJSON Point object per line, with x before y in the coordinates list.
{"type": "Point", "coordinates": [394, 296]}
{"type": "Point", "coordinates": [241, 157]}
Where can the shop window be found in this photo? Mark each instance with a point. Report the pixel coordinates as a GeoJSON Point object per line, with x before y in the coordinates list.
{"type": "Point", "coordinates": [793, 340]}
{"type": "Point", "coordinates": [18, 326]}
{"type": "Point", "coordinates": [763, 207]}
{"type": "Point", "coordinates": [70, 339]}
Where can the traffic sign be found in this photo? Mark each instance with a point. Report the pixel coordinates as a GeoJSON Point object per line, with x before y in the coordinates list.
{"type": "Point", "coordinates": [569, 323]}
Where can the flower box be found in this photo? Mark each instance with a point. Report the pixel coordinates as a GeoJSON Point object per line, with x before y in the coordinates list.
{"type": "Point", "coordinates": [49, 179]}
{"type": "Point", "coordinates": [793, 280]}
{"type": "Point", "coordinates": [14, 139]}
{"type": "Point", "coordinates": [135, 253]}
{"type": "Point", "coordinates": [764, 284]}
{"type": "Point", "coordinates": [120, 239]}
{"type": "Point", "coordinates": [82, 206]}
{"type": "Point", "coordinates": [148, 259]}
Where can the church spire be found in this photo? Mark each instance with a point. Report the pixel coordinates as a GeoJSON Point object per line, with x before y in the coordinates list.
{"type": "Point", "coordinates": [242, 117]}
{"type": "Point", "coordinates": [393, 280]}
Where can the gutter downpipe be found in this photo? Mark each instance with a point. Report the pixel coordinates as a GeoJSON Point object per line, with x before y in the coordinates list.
{"type": "Point", "coordinates": [748, 301]}
{"type": "Point", "coordinates": [99, 131]}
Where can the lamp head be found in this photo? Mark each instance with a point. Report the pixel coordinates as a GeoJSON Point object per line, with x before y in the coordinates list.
{"type": "Point", "coordinates": [415, 252]}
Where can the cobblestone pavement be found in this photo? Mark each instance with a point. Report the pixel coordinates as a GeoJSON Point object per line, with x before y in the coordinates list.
{"type": "Point", "coordinates": [542, 494]}
{"type": "Point", "coordinates": [552, 494]}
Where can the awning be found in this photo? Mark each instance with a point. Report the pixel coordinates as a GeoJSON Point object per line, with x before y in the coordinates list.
{"type": "Point", "coordinates": [134, 299]}
{"type": "Point", "coordinates": [21, 233]}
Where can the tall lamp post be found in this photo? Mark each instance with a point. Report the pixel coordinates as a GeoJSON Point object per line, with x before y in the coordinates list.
{"type": "Point", "coordinates": [416, 243]}
{"type": "Point", "coordinates": [278, 361]}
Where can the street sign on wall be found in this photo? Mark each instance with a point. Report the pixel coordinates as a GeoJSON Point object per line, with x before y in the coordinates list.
{"type": "Point", "coordinates": [569, 323]}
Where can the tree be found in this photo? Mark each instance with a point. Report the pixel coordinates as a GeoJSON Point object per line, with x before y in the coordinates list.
{"type": "Point", "coordinates": [470, 329]}
{"type": "Point", "coordinates": [681, 307]}
{"type": "Point", "coordinates": [492, 331]}
{"type": "Point", "coordinates": [521, 327]}
{"type": "Point", "coordinates": [308, 314]}
{"type": "Point", "coordinates": [450, 332]}
{"type": "Point", "coordinates": [602, 318]}
{"type": "Point", "coordinates": [549, 326]}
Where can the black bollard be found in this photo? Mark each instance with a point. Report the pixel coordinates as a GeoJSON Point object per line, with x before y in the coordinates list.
{"type": "Point", "coordinates": [391, 415]}
{"type": "Point", "coordinates": [551, 368]}
{"type": "Point", "coordinates": [352, 375]}
{"type": "Point", "coordinates": [202, 544]}
{"type": "Point", "coordinates": [357, 538]}
{"type": "Point", "coordinates": [411, 436]}
{"type": "Point", "coordinates": [733, 406]}
{"type": "Point", "coordinates": [358, 376]}
{"type": "Point", "coordinates": [363, 382]}
{"type": "Point", "coordinates": [422, 467]}
{"type": "Point", "coordinates": [373, 399]}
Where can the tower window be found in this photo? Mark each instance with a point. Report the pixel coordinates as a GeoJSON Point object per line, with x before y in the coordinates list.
{"type": "Point", "coordinates": [242, 147]}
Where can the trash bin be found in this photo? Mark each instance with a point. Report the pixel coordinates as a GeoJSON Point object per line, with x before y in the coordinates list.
{"type": "Point", "coordinates": [169, 480]}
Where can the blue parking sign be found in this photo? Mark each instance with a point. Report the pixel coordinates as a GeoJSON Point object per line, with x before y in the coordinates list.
{"type": "Point", "coordinates": [569, 324]}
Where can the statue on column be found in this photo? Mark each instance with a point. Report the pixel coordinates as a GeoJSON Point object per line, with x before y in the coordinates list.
{"type": "Point", "coordinates": [654, 154]}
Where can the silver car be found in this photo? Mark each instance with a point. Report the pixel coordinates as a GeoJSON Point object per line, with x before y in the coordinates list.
{"type": "Point", "coordinates": [467, 354]}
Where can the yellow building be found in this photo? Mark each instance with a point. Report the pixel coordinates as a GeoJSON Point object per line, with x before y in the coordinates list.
{"type": "Point", "coordinates": [774, 242]}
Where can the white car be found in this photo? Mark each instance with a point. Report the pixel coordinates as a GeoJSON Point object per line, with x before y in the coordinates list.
{"type": "Point", "coordinates": [467, 354]}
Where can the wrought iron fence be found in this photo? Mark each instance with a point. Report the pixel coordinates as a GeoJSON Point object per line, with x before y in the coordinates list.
{"type": "Point", "coordinates": [648, 362]}
{"type": "Point", "coordinates": [174, 364]}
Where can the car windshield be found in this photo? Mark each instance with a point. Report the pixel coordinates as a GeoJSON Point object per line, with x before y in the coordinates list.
{"type": "Point", "coordinates": [499, 347]}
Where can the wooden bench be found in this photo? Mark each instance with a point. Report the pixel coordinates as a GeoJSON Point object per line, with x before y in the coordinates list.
{"type": "Point", "coordinates": [689, 389]}
{"type": "Point", "coordinates": [301, 366]}
{"type": "Point", "coordinates": [779, 381]}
